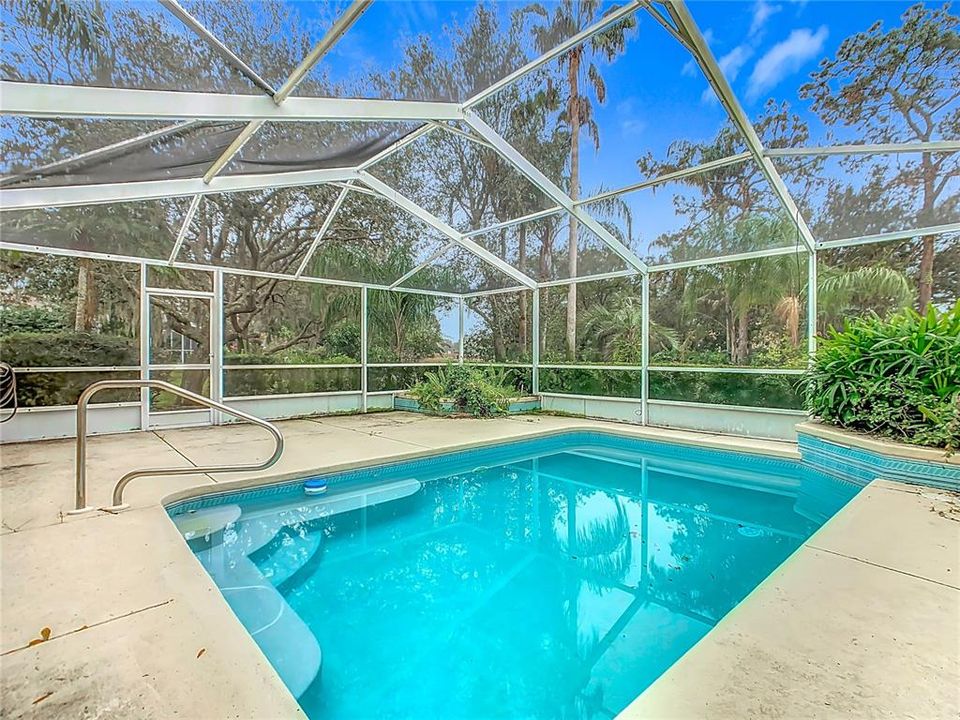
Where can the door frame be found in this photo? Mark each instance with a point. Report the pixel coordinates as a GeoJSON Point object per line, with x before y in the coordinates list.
{"type": "Point", "coordinates": [159, 419]}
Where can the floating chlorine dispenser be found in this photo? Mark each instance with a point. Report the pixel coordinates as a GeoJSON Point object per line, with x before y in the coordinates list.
{"type": "Point", "coordinates": [315, 486]}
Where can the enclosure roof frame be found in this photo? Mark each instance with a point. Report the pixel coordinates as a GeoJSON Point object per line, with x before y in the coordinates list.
{"type": "Point", "coordinates": [278, 105]}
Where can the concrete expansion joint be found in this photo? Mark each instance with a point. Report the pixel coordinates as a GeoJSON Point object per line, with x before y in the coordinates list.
{"type": "Point", "coordinates": [47, 637]}
{"type": "Point", "coordinates": [882, 567]}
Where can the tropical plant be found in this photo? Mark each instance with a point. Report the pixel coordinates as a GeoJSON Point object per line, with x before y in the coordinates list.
{"type": "Point", "coordinates": [619, 330]}
{"type": "Point", "coordinates": [845, 292]}
{"type": "Point", "coordinates": [898, 377]}
{"type": "Point", "coordinates": [482, 392]}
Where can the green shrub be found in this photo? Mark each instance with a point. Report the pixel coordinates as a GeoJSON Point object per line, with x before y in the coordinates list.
{"type": "Point", "coordinates": [21, 319]}
{"type": "Point", "coordinates": [68, 349]}
{"type": "Point", "coordinates": [897, 377]}
{"type": "Point", "coordinates": [482, 392]}
{"type": "Point", "coordinates": [289, 381]}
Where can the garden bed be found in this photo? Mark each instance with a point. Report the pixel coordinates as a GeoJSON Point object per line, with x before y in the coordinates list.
{"type": "Point", "coordinates": [403, 401]}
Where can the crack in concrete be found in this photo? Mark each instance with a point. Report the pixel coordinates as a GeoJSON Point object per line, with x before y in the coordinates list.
{"type": "Point", "coordinates": [86, 627]}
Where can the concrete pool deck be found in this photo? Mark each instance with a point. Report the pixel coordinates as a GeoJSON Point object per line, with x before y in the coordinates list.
{"type": "Point", "coordinates": [862, 621]}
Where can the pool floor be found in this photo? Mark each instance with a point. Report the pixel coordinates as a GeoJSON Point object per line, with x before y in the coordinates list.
{"type": "Point", "coordinates": [558, 583]}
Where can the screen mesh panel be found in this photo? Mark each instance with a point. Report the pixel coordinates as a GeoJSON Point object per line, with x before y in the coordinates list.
{"type": "Point", "coordinates": [541, 249]}
{"type": "Point", "coordinates": [849, 196]}
{"type": "Point", "coordinates": [465, 184]}
{"type": "Point", "coordinates": [145, 229]}
{"type": "Point", "coordinates": [187, 152]}
{"type": "Point", "coordinates": [448, 50]}
{"type": "Point", "coordinates": [372, 240]}
{"type": "Point", "coordinates": [112, 44]}
{"type": "Point", "coordinates": [285, 146]}
{"type": "Point", "coordinates": [265, 230]}
{"type": "Point", "coordinates": [710, 214]}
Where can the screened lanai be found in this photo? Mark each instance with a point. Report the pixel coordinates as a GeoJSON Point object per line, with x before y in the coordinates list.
{"type": "Point", "coordinates": [644, 211]}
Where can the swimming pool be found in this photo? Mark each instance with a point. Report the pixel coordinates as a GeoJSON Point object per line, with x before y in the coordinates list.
{"type": "Point", "coordinates": [551, 577]}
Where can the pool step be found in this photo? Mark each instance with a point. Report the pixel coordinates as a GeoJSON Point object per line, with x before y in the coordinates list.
{"type": "Point", "coordinates": [289, 551]}
{"type": "Point", "coordinates": [284, 638]}
{"type": "Point", "coordinates": [258, 527]}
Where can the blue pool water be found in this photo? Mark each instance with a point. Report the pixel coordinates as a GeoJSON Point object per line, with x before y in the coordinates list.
{"type": "Point", "coordinates": [549, 578]}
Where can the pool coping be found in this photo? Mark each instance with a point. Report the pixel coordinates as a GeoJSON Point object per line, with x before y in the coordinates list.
{"type": "Point", "coordinates": [664, 696]}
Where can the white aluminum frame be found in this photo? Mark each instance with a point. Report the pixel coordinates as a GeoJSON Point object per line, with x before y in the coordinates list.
{"type": "Point", "coordinates": [64, 101]}
{"type": "Point", "coordinates": [74, 101]}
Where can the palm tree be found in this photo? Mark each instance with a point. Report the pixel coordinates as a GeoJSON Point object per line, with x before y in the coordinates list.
{"type": "Point", "coordinates": [618, 327]}
{"type": "Point", "coordinates": [568, 19]}
{"type": "Point", "coordinates": [842, 293]}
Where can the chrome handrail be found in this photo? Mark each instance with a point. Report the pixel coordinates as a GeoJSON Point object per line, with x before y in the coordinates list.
{"type": "Point", "coordinates": [91, 390]}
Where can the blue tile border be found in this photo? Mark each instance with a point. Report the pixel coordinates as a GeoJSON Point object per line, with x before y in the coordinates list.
{"type": "Point", "coordinates": [445, 462]}
{"type": "Point", "coordinates": [865, 465]}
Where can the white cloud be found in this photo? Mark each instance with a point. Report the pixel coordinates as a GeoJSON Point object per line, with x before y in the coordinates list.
{"type": "Point", "coordinates": [631, 123]}
{"type": "Point", "coordinates": [730, 64]}
{"type": "Point", "coordinates": [784, 59]}
{"type": "Point", "coordinates": [762, 11]}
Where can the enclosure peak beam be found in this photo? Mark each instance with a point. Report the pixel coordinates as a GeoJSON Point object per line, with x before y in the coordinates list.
{"type": "Point", "coordinates": [74, 101]}
{"type": "Point", "coordinates": [411, 207]}
{"type": "Point", "coordinates": [711, 68]}
{"type": "Point", "coordinates": [541, 181]}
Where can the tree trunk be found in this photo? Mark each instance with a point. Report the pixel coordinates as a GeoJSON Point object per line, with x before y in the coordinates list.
{"type": "Point", "coordinates": [730, 333]}
{"type": "Point", "coordinates": [743, 335]}
{"type": "Point", "coordinates": [86, 307]}
{"type": "Point", "coordinates": [573, 111]}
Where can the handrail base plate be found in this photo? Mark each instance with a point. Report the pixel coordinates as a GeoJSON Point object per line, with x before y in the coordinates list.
{"type": "Point", "coordinates": [81, 511]}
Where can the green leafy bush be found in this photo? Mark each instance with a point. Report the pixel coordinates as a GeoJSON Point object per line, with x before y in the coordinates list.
{"type": "Point", "coordinates": [67, 349]}
{"type": "Point", "coordinates": [897, 377]}
{"type": "Point", "coordinates": [482, 392]}
{"type": "Point", "coordinates": [19, 319]}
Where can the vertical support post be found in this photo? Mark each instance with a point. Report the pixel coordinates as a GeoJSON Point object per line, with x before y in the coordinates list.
{"type": "Point", "coordinates": [216, 342]}
{"type": "Point", "coordinates": [535, 335]}
{"type": "Point", "coordinates": [812, 293]}
{"type": "Point", "coordinates": [144, 349]}
{"type": "Point", "coordinates": [363, 348]}
{"type": "Point", "coordinates": [461, 309]}
{"type": "Point", "coordinates": [645, 352]}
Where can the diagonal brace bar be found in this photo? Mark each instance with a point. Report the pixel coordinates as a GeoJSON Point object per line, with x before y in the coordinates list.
{"type": "Point", "coordinates": [528, 170]}
{"type": "Point", "coordinates": [411, 207]}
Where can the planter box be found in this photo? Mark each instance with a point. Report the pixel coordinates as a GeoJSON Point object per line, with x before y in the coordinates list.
{"type": "Point", "coordinates": [866, 458]}
{"type": "Point", "coordinates": [402, 401]}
